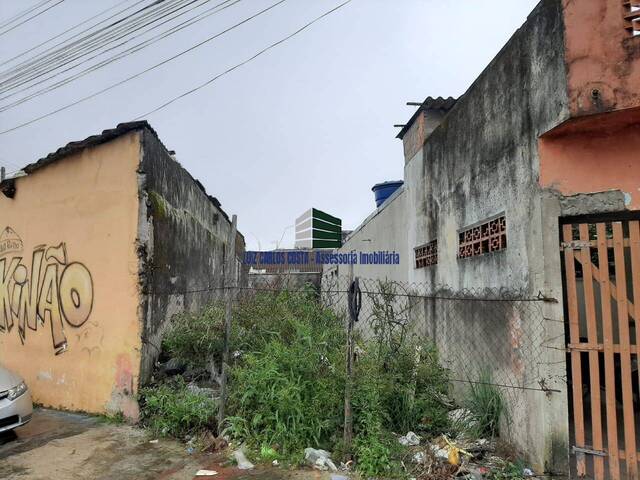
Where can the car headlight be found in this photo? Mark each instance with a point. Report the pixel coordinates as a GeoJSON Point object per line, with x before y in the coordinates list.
{"type": "Point", "coordinates": [16, 391]}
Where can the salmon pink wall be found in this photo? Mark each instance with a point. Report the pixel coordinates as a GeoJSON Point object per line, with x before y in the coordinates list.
{"type": "Point", "coordinates": [69, 280]}
{"type": "Point", "coordinates": [603, 60]}
{"type": "Point", "coordinates": [593, 161]}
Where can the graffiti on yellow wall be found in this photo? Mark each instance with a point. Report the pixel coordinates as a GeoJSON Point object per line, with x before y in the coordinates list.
{"type": "Point", "coordinates": [52, 292]}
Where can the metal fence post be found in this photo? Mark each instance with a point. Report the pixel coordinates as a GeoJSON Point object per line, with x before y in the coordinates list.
{"type": "Point", "coordinates": [229, 283]}
{"type": "Point", "coordinates": [355, 302]}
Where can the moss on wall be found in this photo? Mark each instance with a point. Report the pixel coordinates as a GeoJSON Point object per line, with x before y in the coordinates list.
{"type": "Point", "coordinates": [158, 205]}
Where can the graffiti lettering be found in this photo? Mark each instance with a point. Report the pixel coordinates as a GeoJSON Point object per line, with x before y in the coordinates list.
{"type": "Point", "coordinates": [54, 291]}
{"type": "Point", "coordinates": [9, 242]}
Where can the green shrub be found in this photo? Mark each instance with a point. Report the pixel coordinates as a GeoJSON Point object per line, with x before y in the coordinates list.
{"type": "Point", "coordinates": [287, 391]}
{"type": "Point", "coordinates": [395, 393]}
{"type": "Point", "coordinates": [171, 409]}
{"type": "Point", "coordinates": [196, 338]}
{"type": "Point", "coordinates": [376, 456]}
{"type": "Point", "coordinates": [269, 316]}
{"type": "Point", "coordinates": [373, 446]}
{"type": "Point", "coordinates": [286, 385]}
{"type": "Point", "coordinates": [413, 390]}
{"type": "Point", "coordinates": [116, 418]}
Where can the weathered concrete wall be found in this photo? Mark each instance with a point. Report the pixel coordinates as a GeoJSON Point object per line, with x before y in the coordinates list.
{"type": "Point", "coordinates": [483, 161]}
{"type": "Point", "coordinates": [384, 229]}
{"type": "Point", "coordinates": [69, 280]}
{"type": "Point", "coordinates": [182, 244]}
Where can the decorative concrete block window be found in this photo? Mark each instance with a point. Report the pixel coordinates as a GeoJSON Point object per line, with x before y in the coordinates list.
{"type": "Point", "coordinates": [487, 237]}
{"type": "Point", "coordinates": [632, 16]}
{"type": "Point", "coordinates": [427, 254]}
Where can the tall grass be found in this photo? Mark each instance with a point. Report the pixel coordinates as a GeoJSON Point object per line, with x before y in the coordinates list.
{"type": "Point", "coordinates": [287, 390]}
{"type": "Point", "coordinates": [171, 409]}
{"type": "Point", "coordinates": [487, 406]}
{"type": "Point", "coordinates": [287, 381]}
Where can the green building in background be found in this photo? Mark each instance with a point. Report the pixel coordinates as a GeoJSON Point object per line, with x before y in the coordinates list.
{"type": "Point", "coordinates": [317, 229]}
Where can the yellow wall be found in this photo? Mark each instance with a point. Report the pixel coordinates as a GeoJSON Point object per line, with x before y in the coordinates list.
{"type": "Point", "coordinates": [85, 351]}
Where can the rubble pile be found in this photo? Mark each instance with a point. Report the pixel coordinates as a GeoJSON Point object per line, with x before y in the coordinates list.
{"type": "Point", "coordinates": [443, 458]}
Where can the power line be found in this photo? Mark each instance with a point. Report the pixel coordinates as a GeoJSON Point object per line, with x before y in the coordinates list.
{"type": "Point", "coordinates": [4, 161]}
{"type": "Point", "coordinates": [27, 71]}
{"type": "Point", "coordinates": [66, 31]}
{"type": "Point", "coordinates": [32, 17]}
{"type": "Point", "coordinates": [130, 51]}
{"type": "Point", "coordinates": [128, 28]}
{"type": "Point", "coordinates": [261, 52]}
{"type": "Point", "coordinates": [78, 40]}
{"type": "Point", "coordinates": [139, 46]}
{"type": "Point", "coordinates": [229, 70]}
{"type": "Point", "coordinates": [69, 58]}
{"type": "Point", "coordinates": [121, 82]}
{"type": "Point", "coordinates": [23, 13]}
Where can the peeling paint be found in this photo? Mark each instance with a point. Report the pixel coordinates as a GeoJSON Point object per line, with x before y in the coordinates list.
{"type": "Point", "coordinates": [592, 203]}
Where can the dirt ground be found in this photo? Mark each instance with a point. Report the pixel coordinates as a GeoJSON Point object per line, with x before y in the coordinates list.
{"type": "Point", "coordinates": [61, 446]}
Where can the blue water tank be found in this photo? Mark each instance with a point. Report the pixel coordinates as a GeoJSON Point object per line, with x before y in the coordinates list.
{"type": "Point", "coordinates": [384, 190]}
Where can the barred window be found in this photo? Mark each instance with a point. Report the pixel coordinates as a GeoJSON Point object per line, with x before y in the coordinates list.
{"type": "Point", "coordinates": [488, 237]}
{"type": "Point", "coordinates": [632, 16]}
{"type": "Point", "coordinates": [426, 254]}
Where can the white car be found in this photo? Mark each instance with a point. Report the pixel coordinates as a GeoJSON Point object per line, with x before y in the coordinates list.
{"type": "Point", "coordinates": [16, 407]}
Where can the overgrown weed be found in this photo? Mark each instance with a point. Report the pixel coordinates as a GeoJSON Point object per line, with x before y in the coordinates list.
{"type": "Point", "coordinates": [171, 409]}
{"type": "Point", "coordinates": [194, 338]}
{"type": "Point", "coordinates": [287, 381]}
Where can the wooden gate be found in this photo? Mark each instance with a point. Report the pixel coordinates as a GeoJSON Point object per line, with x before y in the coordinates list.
{"type": "Point", "coordinates": [602, 295]}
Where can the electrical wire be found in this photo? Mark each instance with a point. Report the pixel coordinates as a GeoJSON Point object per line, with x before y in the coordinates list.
{"type": "Point", "coordinates": [93, 44]}
{"type": "Point", "coordinates": [229, 70]}
{"type": "Point", "coordinates": [130, 51]}
{"type": "Point", "coordinates": [34, 73]}
{"type": "Point", "coordinates": [74, 36]}
{"type": "Point", "coordinates": [65, 32]}
{"type": "Point", "coordinates": [72, 44]}
{"type": "Point", "coordinates": [118, 56]}
{"type": "Point", "coordinates": [19, 15]}
{"type": "Point", "coordinates": [139, 74]}
{"type": "Point", "coordinates": [68, 54]}
{"type": "Point", "coordinates": [32, 17]}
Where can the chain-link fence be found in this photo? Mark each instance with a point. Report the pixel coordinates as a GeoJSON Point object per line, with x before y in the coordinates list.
{"type": "Point", "coordinates": [492, 337]}
{"type": "Point", "coordinates": [489, 336]}
{"type": "Point", "coordinates": [474, 330]}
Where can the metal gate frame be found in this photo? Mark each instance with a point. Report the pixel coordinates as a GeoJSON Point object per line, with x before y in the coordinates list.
{"type": "Point", "coordinates": [580, 240]}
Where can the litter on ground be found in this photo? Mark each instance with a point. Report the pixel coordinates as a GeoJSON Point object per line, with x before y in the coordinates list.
{"type": "Point", "coordinates": [241, 460]}
{"type": "Point", "coordinates": [410, 439]}
{"type": "Point", "coordinates": [319, 459]}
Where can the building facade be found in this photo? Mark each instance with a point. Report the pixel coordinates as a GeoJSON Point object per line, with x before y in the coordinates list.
{"type": "Point", "coordinates": [544, 142]}
{"type": "Point", "coordinates": [102, 242]}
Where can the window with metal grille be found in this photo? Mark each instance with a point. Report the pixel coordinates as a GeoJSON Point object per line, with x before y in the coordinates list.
{"type": "Point", "coordinates": [426, 254]}
{"type": "Point", "coordinates": [632, 16]}
{"type": "Point", "coordinates": [490, 236]}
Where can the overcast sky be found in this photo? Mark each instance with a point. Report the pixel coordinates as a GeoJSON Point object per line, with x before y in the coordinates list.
{"type": "Point", "coordinates": [308, 124]}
